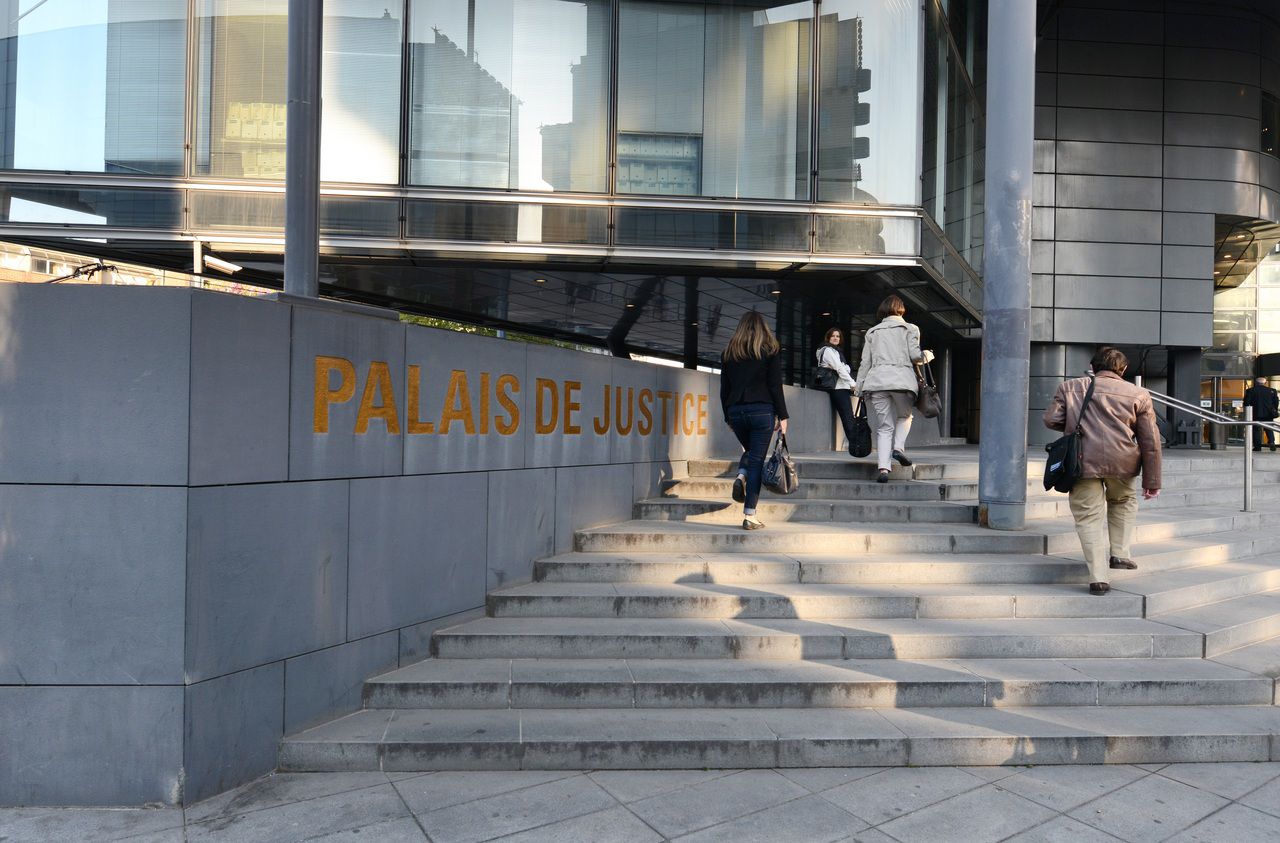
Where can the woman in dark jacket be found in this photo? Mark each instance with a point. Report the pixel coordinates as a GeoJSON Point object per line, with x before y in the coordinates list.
{"type": "Point", "coordinates": [751, 397]}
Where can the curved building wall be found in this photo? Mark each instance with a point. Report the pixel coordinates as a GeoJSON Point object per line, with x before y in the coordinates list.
{"type": "Point", "coordinates": [1148, 130]}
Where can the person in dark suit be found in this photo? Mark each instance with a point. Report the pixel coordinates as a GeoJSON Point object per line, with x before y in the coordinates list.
{"type": "Point", "coordinates": [1266, 406]}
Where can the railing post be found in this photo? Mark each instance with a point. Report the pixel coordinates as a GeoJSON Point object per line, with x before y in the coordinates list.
{"type": "Point", "coordinates": [1248, 459]}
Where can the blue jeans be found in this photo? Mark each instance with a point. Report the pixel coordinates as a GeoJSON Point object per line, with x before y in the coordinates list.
{"type": "Point", "coordinates": [753, 425]}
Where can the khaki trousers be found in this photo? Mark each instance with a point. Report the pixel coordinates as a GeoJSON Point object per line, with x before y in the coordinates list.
{"type": "Point", "coordinates": [1104, 509]}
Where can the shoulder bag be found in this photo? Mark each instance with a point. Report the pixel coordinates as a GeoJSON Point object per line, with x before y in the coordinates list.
{"type": "Point", "coordinates": [860, 439]}
{"type": "Point", "coordinates": [825, 377]}
{"type": "Point", "coordinates": [1064, 466]}
{"type": "Point", "coordinates": [780, 475]}
{"type": "Point", "coordinates": [928, 401]}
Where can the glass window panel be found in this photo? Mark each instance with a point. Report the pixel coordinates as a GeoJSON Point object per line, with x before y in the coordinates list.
{"type": "Point", "coordinates": [846, 234]}
{"type": "Point", "coordinates": [1268, 343]}
{"type": "Point", "coordinates": [117, 208]}
{"type": "Point", "coordinates": [508, 223]}
{"type": "Point", "coordinates": [712, 230]}
{"type": "Point", "coordinates": [264, 212]}
{"type": "Point", "coordinates": [92, 86]}
{"type": "Point", "coordinates": [1235, 298]}
{"type": "Point", "coordinates": [1269, 297]}
{"type": "Point", "coordinates": [870, 82]}
{"type": "Point", "coordinates": [1235, 320]}
{"type": "Point", "coordinates": [241, 102]}
{"type": "Point", "coordinates": [509, 94]}
{"type": "Point", "coordinates": [1239, 343]}
{"type": "Point", "coordinates": [713, 98]}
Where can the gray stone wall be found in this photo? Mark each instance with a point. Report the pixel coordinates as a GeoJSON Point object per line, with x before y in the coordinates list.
{"type": "Point", "coordinates": [190, 568]}
{"type": "Point", "coordinates": [1147, 126]}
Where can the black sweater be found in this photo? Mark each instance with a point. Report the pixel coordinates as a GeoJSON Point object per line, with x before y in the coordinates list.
{"type": "Point", "coordinates": [752, 382]}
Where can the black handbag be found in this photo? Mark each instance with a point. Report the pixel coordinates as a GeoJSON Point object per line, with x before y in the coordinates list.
{"type": "Point", "coordinates": [860, 437]}
{"type": "Point", "coordinates": [928, 401]}
{"type": "Point", "coordinates": [1064, 466]}
{"type": "Point", "coordinates": [780, 476]}
{"type": "Point", "coordinates": [825, 377]}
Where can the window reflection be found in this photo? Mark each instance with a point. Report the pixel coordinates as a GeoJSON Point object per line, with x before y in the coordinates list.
{"type": "Point", "coordinates": [240, 121]}
{"type": "Point", "coordinates": [713, 99]}
{"type": "Point", "coordinates": [91, 86]}
{"type": "Point", "coordinates": [868, 122]}
{"type": "Point", "coordinates": [509, 94]}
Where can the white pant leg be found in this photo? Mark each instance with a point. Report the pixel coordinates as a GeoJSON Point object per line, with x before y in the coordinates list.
{"type": "Point", "coordinates": [886, 423]}
{"type": "Point", "coordinates": [903, 426]}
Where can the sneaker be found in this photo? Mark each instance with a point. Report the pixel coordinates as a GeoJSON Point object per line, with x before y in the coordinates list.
{"type": "Point", "coordinates": [901, 458]}
{"type": "Point", "coordinates": [1099, 588]}
{"type": "Point", "coordinates": [751, 522]}
{"type": "Point", "coordinates": [740, 489]}
{"type": "Point", "coordinates": [882, 476]}
{"type": "Point", "coordinates": [1123, 564]}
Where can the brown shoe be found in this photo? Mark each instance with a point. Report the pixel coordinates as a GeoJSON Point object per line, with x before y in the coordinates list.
{"type": "Point", "coordinates": [1118, 564]}
{"type": "Point", "coordinates": [1099, 588]}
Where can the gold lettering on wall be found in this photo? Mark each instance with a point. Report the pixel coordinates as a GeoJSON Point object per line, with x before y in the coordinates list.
{"type": "Point", "coordinates": [557, 404]}
{"type": "Point", "coordinates": [324, 396]}
{"type": "Point", "coordinates": [378, 386]}
{"type": "Point", "coordinates": [545, 422]}
{"type": "Point", "coordinates": [415, 424]}
{"type": "Point", "coordinates": [508, 385]}
{"type": "Point", "coordinates": [457, 404]}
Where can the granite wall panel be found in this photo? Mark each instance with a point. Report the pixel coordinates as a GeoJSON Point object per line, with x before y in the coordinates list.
{"type": "Point", "coordinates": [591, 496]}
{"type": "Point", "coordinates": [92, 584]}
{"type": "Point", "coordinates": [90, 745]}
{"type": "Point", "coordinates": [252, 550]}
{"type": "Point", "coordinates": [346, 395]}
{"type": "Point", "coordinates": [418, 549]}
{"type": "Point", "coordinates": [329, 682]}
{"type": "Point", "coordinates": [112, 409]}
{"type": "Point", "coordinates": [233, 726]}
{"type": "Point", "coordinates": [469, 402]}
{"type": "Point", "coordinates": [521, 523]}
{"type": "Point", "coordinates": [239, 390]}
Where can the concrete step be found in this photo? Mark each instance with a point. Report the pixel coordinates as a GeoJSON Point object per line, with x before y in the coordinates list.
{"type": "Point", "coordinates": [1171, 591]}
{"type": "Point", "coordinates": [1052, 536]}
{"type": "Point", "coordinates": [833, 638]}
{"type": "Point", "coordinates": [1260, 659]}
{"type": "Point", "coordinates": [879, 683]}
{"type": "Point", "coordinates": [1230, 624]}
{"type": "Point", "coordinates": [721, 488]}
{"type": "Point", "coordinates": [585, 739]}
{"type": "Point", "coordinates": [843, 467]}
{"type": "Point", "coordinates": [803, 600]}
{"type": "Point", "coordinates": [702, 511]}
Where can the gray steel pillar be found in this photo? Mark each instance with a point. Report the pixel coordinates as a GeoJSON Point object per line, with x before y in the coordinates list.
{"type": "Point", "coordinates": [1006, 334]}
{"type": "Point", "coordinates": [302, 150]}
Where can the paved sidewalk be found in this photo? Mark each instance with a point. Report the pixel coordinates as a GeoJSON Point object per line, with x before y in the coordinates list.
{"type": "Point", "coordinates": [1182, 802]}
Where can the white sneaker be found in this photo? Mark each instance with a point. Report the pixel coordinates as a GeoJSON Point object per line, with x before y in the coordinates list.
{"type": "Point", "coordinates": [751, 522]}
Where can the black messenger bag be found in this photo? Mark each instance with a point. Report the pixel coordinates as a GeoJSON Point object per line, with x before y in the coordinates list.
{"type": "Point", "coordinates": [1064, 464]}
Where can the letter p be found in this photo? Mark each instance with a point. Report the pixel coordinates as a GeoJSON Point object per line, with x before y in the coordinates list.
{"type": "Point", "coordinates": [324, 396]}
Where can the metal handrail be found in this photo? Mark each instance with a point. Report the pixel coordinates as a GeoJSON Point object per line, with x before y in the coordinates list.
{"type": "Point", "coordinates": [1211, 417]}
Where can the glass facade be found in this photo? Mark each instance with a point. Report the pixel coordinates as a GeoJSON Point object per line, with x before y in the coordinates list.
{"type": "Point", "coordinates": [762, 139]}
{"type": "Point", "coordinates": [713, 99]}
{"type": "Point", "coordinates": [240, 93]}
{"type": "Point", "coordinates": [509, 94]}
{"type": "Point", "coordinates": [91, 86]}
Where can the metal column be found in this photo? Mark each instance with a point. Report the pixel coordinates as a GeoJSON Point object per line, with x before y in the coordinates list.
{"type": "Point", "coordinates": [1006, 335]}
{"type": "Point", "coordinates": [302, 150]}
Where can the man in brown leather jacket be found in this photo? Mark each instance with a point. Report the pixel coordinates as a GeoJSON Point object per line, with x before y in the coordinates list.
{"type": "Point", "coordinates": [1119, 440]}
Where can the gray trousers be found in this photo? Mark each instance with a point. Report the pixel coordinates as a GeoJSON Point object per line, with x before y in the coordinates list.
{"type": "Point", "coordinates": [893, 422]}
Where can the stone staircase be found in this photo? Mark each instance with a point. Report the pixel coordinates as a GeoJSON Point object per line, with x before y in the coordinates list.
{"type": "Point", "coordinates": [870, 624]}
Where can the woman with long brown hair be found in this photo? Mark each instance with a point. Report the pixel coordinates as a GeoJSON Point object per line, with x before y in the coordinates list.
{"type": "Point", "coordinates": [753, 405]}
{"type": "Point", "coordinates": [888, 380]}
{"type": "Point", "coordinates": [830, 357]}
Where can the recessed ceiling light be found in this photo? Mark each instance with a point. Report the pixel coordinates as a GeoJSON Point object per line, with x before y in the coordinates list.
{"type": "Point", "coordinates": [629, 304]}
{"type": "Point", "coordinates": [693, 323]}
{"type": "Point", "coordinates": [539, 280]}
{"type": "Point", "coordinates": [826, 313]}
{"type": "Point", "coordinates": [775, 293]}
